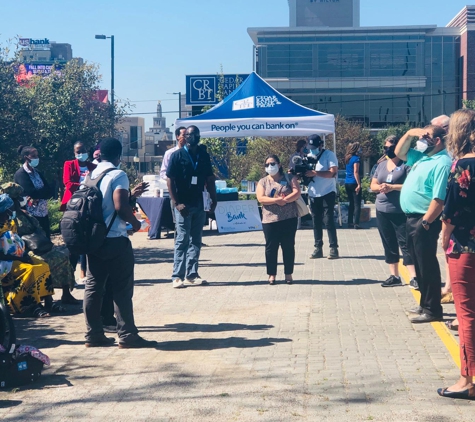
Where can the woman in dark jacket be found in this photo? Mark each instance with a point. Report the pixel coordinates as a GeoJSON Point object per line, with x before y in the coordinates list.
{"type": "Point", "coordinates": [35, 186]}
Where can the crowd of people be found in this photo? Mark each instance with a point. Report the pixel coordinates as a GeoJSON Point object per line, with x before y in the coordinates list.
{"type": "Point", "coordinates": [424, 194]}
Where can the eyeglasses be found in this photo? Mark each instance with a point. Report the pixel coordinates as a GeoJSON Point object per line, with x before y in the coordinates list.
{"type": "Point", "coordinates": [271, 164]}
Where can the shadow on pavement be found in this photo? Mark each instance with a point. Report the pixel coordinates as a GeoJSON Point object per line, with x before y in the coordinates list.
{"type": "Point", "coordinates": [151, 282]}
{"type": "Point", "coordinates": [354, 282]}
{"type": "Point", "coordinates": [47, 381]}
{"type": "Point", "coordinates": [205, 328]}
{"type": "Point", "coordinates": [218, 343]}
{"type": "Point", "coordinates": [4, 404]}
{"type": "Point", "coordinates": [241, 264]}
{"type": "Point", "coordinates": [377, 257]}
{"type": "Point", "coordinates": [153, 256]}
{"type": "Point", "coordinates": [42, 336]}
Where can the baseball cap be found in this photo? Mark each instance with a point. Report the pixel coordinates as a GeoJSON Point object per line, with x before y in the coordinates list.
{"type": "Point", "coordinates": [314, 140]}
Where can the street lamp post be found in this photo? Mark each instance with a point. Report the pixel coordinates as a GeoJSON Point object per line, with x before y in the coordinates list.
{"type": "Point", "coordinates": [136, 160]}
{"type": "Point", "coordinates": [179, 102]}
{"type": "Point", "coordinates": [103, 37]}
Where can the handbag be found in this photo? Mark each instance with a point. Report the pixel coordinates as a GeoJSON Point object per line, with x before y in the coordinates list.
{"type": "Point", "coordinates": [302, 208]}
{"type": "Point", "coordinates": [37, 242]}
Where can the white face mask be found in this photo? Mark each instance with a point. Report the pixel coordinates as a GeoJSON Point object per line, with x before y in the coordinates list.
{"type": "Point", "coordinates": [23, 202]}
{"type": "Point", "coordinates": [272, 171]}
{"type": "Point", "coordinates": [422, 145]}
{"type": "Point", "coordinates": [82, 157]}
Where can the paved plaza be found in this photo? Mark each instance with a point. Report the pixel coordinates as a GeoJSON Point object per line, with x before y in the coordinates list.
{"type": "Point", "coordinates": [334, 346]}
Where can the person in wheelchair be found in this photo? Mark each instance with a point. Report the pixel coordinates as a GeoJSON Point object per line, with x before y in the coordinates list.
{"type": "Point", "coordinates": [25, 280]}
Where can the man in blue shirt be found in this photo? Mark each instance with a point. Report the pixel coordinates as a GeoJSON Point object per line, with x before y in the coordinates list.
{"type": "Point", "coordinates": [422, 200]}
{"type": "Point", "coordinates": [189, 172]}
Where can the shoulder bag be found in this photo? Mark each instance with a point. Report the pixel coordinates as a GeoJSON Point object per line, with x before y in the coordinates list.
{"type": "Point", "coordinates": [302, 208]}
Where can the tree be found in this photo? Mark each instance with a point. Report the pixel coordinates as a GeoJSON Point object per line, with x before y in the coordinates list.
{"type": "Point", "coordinates": [51, 113]}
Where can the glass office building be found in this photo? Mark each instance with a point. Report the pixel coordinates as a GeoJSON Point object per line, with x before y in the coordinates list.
{"type": "Point", "coordinates": [376, 75]}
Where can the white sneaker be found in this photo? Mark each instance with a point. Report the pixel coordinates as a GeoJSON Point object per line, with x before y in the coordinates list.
{"type": "Point", "coordinates": [177, 283]}
{"type": "Point", "coordinates": [196, 281]}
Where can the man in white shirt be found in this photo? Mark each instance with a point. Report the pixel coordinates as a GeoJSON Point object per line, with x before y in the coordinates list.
{"type": "Point", "coordinates": [180, 138]}
{"type": "Point", "coordinates": [114, 261]}
{"type": "Point", "coordinates": [322, 196]}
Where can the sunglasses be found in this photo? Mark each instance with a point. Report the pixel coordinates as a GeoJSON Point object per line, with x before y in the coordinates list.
{"type": "Point", "coordinates": [271, 164]}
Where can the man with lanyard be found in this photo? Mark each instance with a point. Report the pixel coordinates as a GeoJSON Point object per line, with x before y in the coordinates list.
{"type": "Point", "coordinates": [422, 200]}
{"type": "Point", "coordinates": [322, 196]}
{"type": "Point", "coordinates": [189, 172]}
{"type": "Point", "coordinates": [180, 143]}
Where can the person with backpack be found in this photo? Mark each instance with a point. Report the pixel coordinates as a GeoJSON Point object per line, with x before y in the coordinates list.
{"type": "Point", "coordinates": [114, 257]}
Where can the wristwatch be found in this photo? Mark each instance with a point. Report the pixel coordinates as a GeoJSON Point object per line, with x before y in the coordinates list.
{"type": "Point", "coordinates": [425, 223]}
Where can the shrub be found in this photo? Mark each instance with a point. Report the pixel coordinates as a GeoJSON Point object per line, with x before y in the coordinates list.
{"type": "Point", "coordinates": [55, 215]}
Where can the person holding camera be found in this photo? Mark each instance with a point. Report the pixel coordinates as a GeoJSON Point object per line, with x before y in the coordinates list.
{"type": "Point", "coordinates": [322, 195]}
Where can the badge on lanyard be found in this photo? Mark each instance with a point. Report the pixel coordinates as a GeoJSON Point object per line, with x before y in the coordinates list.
{"type": "Point", "coordinates": [389, 179]}
{"type": "Point", "coordinates": [194, 180]}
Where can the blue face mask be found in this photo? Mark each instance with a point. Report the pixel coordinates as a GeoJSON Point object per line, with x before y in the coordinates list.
{"type": "Point", "coordinates": [34, 162]}
{"type": "Point", "coordinates": [13, 215]}
{"type": "Point", "coordinates": [82, 157]}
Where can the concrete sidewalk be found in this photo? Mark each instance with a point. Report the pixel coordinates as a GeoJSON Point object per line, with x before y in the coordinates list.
{"type": "Point", "coordinates": [334, 346]}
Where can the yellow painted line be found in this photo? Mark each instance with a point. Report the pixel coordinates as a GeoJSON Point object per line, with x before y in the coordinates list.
{"type": "Point", "coordinates": [440, 328]}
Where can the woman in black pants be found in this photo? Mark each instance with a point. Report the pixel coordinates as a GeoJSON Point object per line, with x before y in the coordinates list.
{"type": "Point", "coordinates": [353, 184]}
{"type": "Point", "coordinates": [387, 182]}
{"type": "Point", "coordinates": [277, 192]}
{"type": "Point", "coordinates": [35, 187]}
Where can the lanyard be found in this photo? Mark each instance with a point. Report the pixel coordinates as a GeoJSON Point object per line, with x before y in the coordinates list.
{"type": "Point", "coordinates": [195, 165]}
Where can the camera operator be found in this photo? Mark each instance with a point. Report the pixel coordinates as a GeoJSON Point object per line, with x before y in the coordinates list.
{"type": "Point", "coordinates": [322, 196]}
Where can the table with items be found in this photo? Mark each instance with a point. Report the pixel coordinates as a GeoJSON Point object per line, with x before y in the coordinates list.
{"type": "Point", "coordinates": [159, 213]}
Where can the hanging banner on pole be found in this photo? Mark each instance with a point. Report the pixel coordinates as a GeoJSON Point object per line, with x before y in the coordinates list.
{"type": "Point", "coordinates": [237, 216]}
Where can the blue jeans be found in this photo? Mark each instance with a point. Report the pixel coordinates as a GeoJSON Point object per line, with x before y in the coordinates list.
{"type": "Point", "coordinates": [189, 231]}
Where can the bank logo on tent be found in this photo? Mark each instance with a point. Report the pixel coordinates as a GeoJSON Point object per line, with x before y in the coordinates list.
{"type": "Point", "coordinates": [267, 101]}
{"type": "Point", "coordinates": [244, 104]}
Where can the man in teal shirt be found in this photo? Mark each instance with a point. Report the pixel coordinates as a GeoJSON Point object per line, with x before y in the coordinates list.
{"type": "Point", "coordinates": [422, 200]}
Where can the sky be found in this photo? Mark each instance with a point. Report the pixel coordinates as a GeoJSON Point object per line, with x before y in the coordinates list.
{"type": "Point", "coordinates": [159, 42]}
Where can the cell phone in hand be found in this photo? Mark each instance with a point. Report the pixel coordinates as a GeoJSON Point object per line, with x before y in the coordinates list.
{"type": "Point", "coordinates": [272, 193]}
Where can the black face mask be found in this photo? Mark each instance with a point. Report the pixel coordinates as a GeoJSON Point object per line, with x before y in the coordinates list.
{"type": "Point", "coordinates": [389, 151]}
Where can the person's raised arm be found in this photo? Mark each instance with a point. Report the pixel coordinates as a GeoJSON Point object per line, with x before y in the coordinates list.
{"type": "Point", "coordinates": [404, 144]}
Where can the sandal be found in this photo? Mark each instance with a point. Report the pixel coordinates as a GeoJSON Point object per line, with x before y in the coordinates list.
{"type": "Point", "coordinates": [271, 281]}
{"type": "Point", "coordinates": [39, 312]}
{"type": "Point", "coordinates": [451, 326]}
{"type": "Point", "coordinates": [447, 298]}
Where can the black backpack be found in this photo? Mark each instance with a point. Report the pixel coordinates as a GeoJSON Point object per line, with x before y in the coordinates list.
{"type": "Point", "coordinates": [82, 226]}
{"type": "Point", "coordinates": [17, 369]}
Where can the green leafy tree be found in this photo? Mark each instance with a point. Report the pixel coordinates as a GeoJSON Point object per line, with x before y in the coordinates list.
{"type": "Point", "coordinates": [51, 113]}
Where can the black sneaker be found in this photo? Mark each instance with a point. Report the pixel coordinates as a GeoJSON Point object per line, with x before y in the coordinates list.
{"type": "Point", "coordinates": [333, 254]}
{"type": "Point", "coordinates": [392, 281]}
{"type": "Point", "coordinates": [317, 253]}
{"type": "Point", "coordinates": [138, 343]}
{"type": "Point", "coordinates": [102, 342]}
{"type": "Point", "coordinates": [413, 284]}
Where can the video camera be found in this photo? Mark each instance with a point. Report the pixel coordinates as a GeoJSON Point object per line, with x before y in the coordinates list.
{"type": "Point", "coordinates": [301, 166]}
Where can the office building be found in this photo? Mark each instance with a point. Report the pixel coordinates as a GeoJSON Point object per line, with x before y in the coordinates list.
{"type": "Point", "coordinates": [332, 13]}
{"type": "Point", "coordinates": [377, 75]}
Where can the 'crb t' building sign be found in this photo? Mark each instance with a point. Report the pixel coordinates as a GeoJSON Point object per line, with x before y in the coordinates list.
{"type": "Point", "coordinates": [201, 90]}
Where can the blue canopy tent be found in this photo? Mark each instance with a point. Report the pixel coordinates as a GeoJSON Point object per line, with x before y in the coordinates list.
{"type": "Point", "coordinates": [257, 109]}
